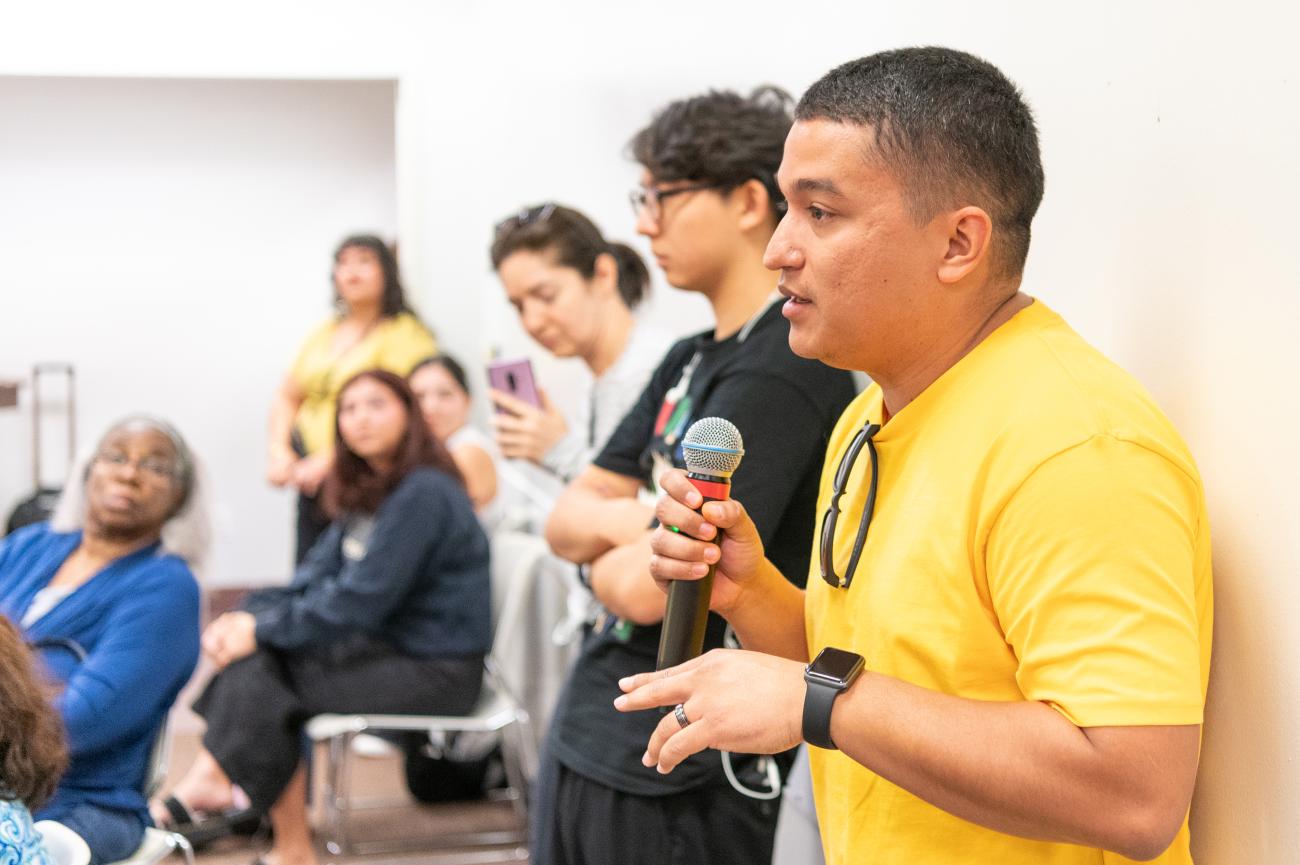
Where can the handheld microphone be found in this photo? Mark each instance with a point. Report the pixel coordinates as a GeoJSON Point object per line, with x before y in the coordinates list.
{"type": "Point", "coordinates": [712, 448]}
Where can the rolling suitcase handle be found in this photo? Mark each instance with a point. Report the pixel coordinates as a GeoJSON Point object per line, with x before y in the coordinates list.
{"type": "Point", "coordinates": [38, 506]}
{"type": "Point", "coordinates": [39, 370]}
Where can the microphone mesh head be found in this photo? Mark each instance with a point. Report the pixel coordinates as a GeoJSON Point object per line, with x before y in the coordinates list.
{"type": "Point", "coordinates": [713, 446]}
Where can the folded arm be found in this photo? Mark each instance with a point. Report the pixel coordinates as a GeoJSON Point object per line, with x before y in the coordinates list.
{"type": "Point", "coordinates": [596, 512]}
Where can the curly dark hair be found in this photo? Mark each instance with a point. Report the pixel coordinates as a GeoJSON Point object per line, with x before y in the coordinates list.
{"type": "Point", "coordinates": [352, 485]}
{"type": "Point", "coordinates": [575, 241]}
{"type": "Point", "coordinates": [720, 137]}
{"type": "Point", "coordinates": [393, 301]}
{"type": "Point", "coordinates": [33, 752]}
{"type": "Point", "coordinates": [951, 128]}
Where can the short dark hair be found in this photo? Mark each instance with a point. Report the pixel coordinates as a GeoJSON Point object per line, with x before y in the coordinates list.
{"type": "Point", "coordinates": [352, 485]}
{"type": "Point", "coordinates": [719, 137]}
{"type": "Point", "coordinates": [393, 301]}
{"type": "Point", "coordinates": [447, 362]}
{"type": "Point", "coordinates": [951, 128]}
{"type": "Point", "coordinates": [575, 241]}
{"type": "Point", "coordinates": [33, 752]}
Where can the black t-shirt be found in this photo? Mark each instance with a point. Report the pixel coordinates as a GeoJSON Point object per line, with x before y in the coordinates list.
{"type": "Point", "coordinates": [785, 408]}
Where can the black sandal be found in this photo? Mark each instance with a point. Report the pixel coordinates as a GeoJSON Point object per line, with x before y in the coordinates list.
{"type": "Point", "coordinates": [202, 830]}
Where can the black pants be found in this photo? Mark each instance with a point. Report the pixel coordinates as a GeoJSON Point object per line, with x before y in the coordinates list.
{"type": "Point", "coordinates": [311, 522]}
{"type": "Point", "coordinates": [310, 525]}
{"type": "Point", "coordinates": [591, 824]}
{"type": "Point", "coordinates": [256, 707]}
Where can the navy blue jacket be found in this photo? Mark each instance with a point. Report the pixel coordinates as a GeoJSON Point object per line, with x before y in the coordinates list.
{"type": "Point", "coordinates": [414, 576]}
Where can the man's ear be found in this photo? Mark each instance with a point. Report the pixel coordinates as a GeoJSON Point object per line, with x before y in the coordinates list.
{"type": "Point", "coordinates": [969, 235]}
{"type": "Point", "coordinates": [754, 204]}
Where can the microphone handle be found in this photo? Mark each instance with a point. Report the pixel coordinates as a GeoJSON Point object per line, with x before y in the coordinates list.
{"type": "Point", "coordinates": [687, 613]}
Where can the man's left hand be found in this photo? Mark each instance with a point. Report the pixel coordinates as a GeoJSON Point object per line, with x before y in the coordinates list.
{"type": "Point", "coordinates": [739, 701]}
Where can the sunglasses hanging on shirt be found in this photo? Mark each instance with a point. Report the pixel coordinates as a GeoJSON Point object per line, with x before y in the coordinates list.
{"type": "Point", "coordinates": [831, 517]}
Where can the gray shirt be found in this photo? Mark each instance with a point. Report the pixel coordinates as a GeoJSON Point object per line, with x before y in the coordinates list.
{"type": "Point", "coordinates": [612, 394]}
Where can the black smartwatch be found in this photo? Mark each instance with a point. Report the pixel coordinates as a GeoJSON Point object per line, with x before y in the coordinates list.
{"type": "Point", "coordinates": [831, 672]}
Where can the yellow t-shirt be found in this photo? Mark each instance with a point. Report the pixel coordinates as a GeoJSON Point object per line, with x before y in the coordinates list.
{"type": "Point", "coordinates": [1040, 534]}
{"type": "Point", "coordinates": [395, 344]}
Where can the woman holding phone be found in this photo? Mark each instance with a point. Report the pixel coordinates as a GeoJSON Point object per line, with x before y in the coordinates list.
{"type": "Point", "coordinates": [574, 292]}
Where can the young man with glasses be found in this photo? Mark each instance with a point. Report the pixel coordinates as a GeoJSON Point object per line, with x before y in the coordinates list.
{"type": "Point", "coordinates": [709, 204]}
{"type": "Point", "coordinates": [1009, 613]}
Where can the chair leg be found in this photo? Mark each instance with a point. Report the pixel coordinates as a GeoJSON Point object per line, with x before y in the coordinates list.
{"type": "Point", "coordinates": [512, 752]}
{"type": "Point", "coordinates": [183, 844]}
{"type": "Point", "coordinates": [338, 795]}
{"type": "Point", "coordinates": [528, 742]}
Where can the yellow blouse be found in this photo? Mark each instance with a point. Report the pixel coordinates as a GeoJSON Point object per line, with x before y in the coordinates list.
{"type": "Point", "coordinates": [395, 344]}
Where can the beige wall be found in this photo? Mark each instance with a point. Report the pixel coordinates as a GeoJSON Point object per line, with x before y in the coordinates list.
{"type": "Point", "coordinates": [1167, 236]}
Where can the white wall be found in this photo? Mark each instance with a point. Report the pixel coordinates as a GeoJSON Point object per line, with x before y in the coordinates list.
{"type": "Point", "coordinates": [1166, 235]}
{"type": "Point", "coordinates": [172, 239]}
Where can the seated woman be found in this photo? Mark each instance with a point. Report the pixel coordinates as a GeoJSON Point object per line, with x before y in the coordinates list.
{"type": "Point", "coordinates": [442, 389]}
{"type": "Point", "coordinates": [32, 751]}
{"type": "Point", "coordinates": [389, 613]}
{"type": "Point", "coordinates": [114, 609]}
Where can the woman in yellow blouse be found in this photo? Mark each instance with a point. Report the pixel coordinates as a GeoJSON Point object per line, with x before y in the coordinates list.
{"type": "Point", "coordinates": [373, 329]}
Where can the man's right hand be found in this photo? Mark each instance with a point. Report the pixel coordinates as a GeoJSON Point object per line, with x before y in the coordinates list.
{"type": "Point", "coordinates": [686, 554]}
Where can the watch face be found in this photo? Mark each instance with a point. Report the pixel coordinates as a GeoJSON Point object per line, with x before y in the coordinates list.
{"type": "Point", "coordinates": [836, 664]}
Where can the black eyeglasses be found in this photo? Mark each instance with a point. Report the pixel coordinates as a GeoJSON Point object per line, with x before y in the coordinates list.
{"type": "Point", "coordinates": [527, 216]}
{"type": "Point", "coordinates": [650, 199]}
{"type": "Point", "coordinates": [833, 512]}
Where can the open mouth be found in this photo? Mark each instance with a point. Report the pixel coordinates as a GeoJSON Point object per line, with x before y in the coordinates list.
{"type": "Point", "coordinates": [791, 297]}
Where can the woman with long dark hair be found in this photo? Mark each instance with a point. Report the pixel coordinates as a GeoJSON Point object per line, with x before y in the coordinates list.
{"type": "Point", "coordinates": [388, 613]}
{"type": "Point", "coordinates": [32, 752]}
{"type": "Point", "coordinates": [373, 328]}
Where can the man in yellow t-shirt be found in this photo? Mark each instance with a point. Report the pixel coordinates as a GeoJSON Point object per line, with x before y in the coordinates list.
{"type": "Point", "coordinates": [1009, 608]}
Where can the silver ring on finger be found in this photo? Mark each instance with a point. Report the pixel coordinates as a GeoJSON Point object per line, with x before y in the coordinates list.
{"type": "Point", "coordinates": [680, 714]}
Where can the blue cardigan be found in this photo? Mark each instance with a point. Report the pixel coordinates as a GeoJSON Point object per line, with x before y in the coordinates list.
{"type": "Point", "coordinates": [138, 621]}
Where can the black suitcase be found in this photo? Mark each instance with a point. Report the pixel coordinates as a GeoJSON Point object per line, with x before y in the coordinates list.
{"type": "Point", "coordinates": [38, 506]}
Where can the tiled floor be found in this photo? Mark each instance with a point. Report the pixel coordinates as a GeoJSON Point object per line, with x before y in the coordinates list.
{"type": "Point", "coordinates": [381, 778]}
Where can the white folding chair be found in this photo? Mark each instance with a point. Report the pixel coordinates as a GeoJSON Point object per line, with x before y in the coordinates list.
{"type": "Point", "coordinates": [516, 558]}
{"type": "Point", "coordinates": [64, 846]}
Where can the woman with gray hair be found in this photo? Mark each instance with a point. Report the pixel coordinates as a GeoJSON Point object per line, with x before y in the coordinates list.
{"type": "Point", "coordinates": [104, 592]}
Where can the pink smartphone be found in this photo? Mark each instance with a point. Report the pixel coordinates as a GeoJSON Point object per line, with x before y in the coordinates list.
{"type": "Point", "coordinates": [515, 377]}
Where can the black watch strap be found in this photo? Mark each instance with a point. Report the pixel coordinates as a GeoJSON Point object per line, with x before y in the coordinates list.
{"type": "Point", "coordinates": [817, 704]}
